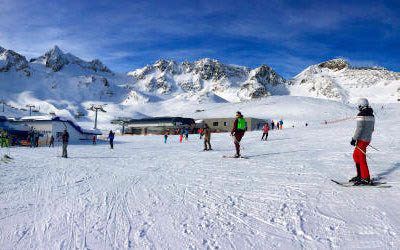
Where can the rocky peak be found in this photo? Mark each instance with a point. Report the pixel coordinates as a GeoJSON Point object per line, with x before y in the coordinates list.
{"type": "Point", "coordinates": [266, 75]}
{"type": "Point", "coordinates": [97, 65]}
{"type": "Point", "coordinates": [209, 69]}
{"type": "Point", "coordinates": [166, 66]}
{"type": "Point", "coordinates": [56, 59]}
{"type": "Point", "coordinates": [335, 64]}
{"type": "Point", "coordinates": [10, 59]}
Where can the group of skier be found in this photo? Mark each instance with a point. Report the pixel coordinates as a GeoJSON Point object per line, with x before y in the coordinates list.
{"type": "Point", "coordinates": [33, 138]}
{"type": "Point", "coordinates": [65, 141]}
{"type": "Point", "coordinates": [360, 140]}
{"type": "Point", "coordinates": [278, 125]}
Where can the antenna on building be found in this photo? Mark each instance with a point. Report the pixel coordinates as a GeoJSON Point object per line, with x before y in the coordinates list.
{"type": "Point", "coordinates": [96, 108]}
{"type": "Point", "coordinates": [30, 106]}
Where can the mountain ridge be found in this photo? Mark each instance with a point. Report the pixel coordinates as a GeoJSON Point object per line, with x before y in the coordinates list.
{"type": "Point", "coordinates": [62, 82]}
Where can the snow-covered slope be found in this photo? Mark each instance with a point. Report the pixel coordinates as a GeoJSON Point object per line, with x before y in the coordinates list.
{"type": "Point", "coordinates": [338, 80]}
{"type": "Point", "coordinates": [145, 194]}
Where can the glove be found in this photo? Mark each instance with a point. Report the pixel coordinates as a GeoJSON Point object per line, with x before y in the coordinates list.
{"type": "Point", "coordinates": [233, 133]}
{"type": "Point", "coordinates": [353, 142]}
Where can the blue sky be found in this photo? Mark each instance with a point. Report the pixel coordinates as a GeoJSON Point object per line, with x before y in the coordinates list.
{"type": "Point", "coordinates": [286, 35]}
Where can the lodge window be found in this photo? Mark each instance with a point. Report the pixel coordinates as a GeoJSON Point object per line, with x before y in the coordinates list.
{"type": "Point", "coordinates": [225, 124]}
{"type": "Point", "coordinates": [215, 124]}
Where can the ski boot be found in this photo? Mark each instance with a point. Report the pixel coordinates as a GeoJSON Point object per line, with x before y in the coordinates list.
{"type": "Point", "coordinates": [355, 179]}
{"type": "Point", "coordinates": [363, 182]}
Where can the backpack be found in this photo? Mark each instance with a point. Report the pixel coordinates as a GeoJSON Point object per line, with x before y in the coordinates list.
{"type": "Point", "coordinates": [241, 124]}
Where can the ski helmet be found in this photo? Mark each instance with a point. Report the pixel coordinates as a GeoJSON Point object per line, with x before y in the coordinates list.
{"type": "Point", "coordinates": [362, 103]}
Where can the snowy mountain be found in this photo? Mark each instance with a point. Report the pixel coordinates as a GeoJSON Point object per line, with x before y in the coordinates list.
{"type": "Point", "coordinates": [208, 78]}
{"type": "Point", "coordinates": [66, 85]}
{"type": "Point", "coordinates": [56, 60]}
{"type": "Point", "coordinates": [338, 80]}
{"type": "Point", "coordinates": [10, 60]}
{"type": "Point", "coordinates": [57, 82]}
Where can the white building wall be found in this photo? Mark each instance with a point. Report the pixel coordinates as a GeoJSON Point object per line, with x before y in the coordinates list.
{"type": "Point", "coordinates": [56, 128]}
{"type": "Point", "coordinates": [74, 135]}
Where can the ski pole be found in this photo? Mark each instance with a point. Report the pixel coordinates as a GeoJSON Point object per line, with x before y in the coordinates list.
{"type": "Point", "coordinates": [235, 140]}
{"type": "Point", "coordinates": [373, 147]}
{"type": "Point", "coordinates": [362, 151]}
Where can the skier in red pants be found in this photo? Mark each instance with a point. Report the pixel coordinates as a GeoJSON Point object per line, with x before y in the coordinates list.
{"type": "Point", "coordinates": [361, 139]}
{"type": "Point", "coordinates": [238, 129]}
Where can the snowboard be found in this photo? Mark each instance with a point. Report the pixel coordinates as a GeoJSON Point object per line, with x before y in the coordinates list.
{"type": "Point", "coordinates": [376, 184]}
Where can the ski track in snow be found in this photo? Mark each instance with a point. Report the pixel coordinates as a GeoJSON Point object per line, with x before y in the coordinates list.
{"type": "Point", "coordinates": [148, 195]}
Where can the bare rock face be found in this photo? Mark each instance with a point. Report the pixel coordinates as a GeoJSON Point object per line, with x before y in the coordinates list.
{"type": "Point", "coordinates": [97, 66]}
{"type": "Point", "coordinates": [56, 59]}
{"type": "Point", "coordinates": [12, 60]}
{"type": "Point", "coordinates": [335, 64]}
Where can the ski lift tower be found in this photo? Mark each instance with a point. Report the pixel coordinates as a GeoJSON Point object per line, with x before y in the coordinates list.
{"type": "Point", "coordinates": [2, 101]}
{"type": "Point", "coordinates": [96, 108]}
{"type": "Point", "coordinates": [30, 106]}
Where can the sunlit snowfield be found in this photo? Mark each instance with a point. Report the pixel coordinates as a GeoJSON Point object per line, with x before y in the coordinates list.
{"type": "Point", "coordinates": [146, 194]}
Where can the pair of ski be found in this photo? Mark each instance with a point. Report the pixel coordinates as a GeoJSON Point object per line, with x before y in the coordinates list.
{"type": "Point", "coordinates": [235, 157]}
{"type": "Point", "coordinates": [6, 159]}
{"type": "Point", "coordinates": [374, 183]}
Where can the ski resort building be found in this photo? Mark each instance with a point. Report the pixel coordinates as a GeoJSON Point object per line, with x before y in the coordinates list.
{"type": "Point", "coordinates": [155, 125]}
{"type": "Point", "coordinates": [225, 124]}
{"type": "Point", "coordinates": [54, 125]}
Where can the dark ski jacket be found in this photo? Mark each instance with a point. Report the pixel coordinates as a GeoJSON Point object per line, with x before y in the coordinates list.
{"type": "Point", "coordinates": [111, 136]}
{"type": "Point", "coordinates": [65, 137]}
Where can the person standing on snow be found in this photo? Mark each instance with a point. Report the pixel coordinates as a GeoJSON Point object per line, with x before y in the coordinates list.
{"type": "Point", "coordinates": [200, 131]}
{"type": "Point", "coordinates": [186, 134]}
{"type": "Point", "coordinates": [94, 140]}
{"type": "Point", "coordinates": [37, 139]}
{"type": "Point", "coordinates": [165, 137]}
{"type": "Point", "coordinates": [51, 143]}
{"type": "Point", "coordinates": [265, 132]}
{"type": "Point", "coordinates": [111, 136]}
{"type": "Point", "coordinates": [31, 137]}
{"type": "Point", "coordinates": [272, 124]}
{"type": "Point", "coordinates": [238, 130]}
{"type": "Point", "coordinates": [65, 140]}
{"type": "Point", "coordinates": [361, 139]}
{"type": "Point", "coordinates": [281, 124]}
{"type": "Point", "coordinates": [207, 137]}
{"type": "Point", "coordinates": [180, 136]}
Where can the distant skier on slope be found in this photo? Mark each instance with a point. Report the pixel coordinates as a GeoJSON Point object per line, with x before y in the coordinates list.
{"type": "Point", "coordinates": [111, 136]}
{"type": "Point", "coordinates": [51, 142]}
{"type": "Point", "coordinates": [238, 130]}
{"type": "Point", "coordinates": [165, 136]}
{"type": "Point", "coordinates": [207, 137]}
{"type": "Point", "coordinates": [361, 139]}
{"type": "Point", "coordinates": [65, 140]}
{"type": "Point", "coordinates": [180, 136]}
{"type": "Point", "coordinates": [265, 132]}
{"type": "Point", "coordinates": [272, 125]}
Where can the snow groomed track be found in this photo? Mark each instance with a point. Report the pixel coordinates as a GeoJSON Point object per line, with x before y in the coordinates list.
{"type": "Point", "coordinates": [146, 194]}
